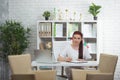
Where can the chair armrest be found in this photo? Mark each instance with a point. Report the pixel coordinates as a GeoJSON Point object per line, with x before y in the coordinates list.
{"type": "Point", "coordinates": [99, 76]}
{"type": "Point", "coordinates": [23, 77]}
{"type": "Point", "coordinates": [78, 74]}
{"type": "Point", "coordinates": [45, 75]}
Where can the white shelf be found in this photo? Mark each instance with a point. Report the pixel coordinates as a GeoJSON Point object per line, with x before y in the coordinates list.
{"type": "Point", "coordinates": [88, 28]}
{"type": "Point", "coordinates": [45, 36]}
{"type": "Point", "coordinates": [90, 21]}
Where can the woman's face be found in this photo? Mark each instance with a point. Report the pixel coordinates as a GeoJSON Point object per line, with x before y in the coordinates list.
{"type": "Point", "coordinates": [76, 39]}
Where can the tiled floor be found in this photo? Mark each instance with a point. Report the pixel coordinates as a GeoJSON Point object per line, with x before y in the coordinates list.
{"type": "Point", "coordinates": [60, 78]}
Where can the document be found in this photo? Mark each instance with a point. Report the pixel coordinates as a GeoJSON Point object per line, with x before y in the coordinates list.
{"type": "Point", "coordinates": [78, 61]}
{"type": "Point", "coordinates": [50, 62]}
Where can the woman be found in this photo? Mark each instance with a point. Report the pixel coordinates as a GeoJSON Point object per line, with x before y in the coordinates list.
{"type": "Point", "coordinates": [74, 51]}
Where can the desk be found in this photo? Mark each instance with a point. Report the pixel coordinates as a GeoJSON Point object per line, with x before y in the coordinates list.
{"type": "Point", "coordinates": [89, 63]}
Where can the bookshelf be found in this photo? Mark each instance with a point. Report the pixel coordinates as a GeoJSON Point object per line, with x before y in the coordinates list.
{"type": "Point", "coordinates": [50, 31]}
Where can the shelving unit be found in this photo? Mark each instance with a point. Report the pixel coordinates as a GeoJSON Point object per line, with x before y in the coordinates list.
{"type": "Point", "coordinates": [50, 31]}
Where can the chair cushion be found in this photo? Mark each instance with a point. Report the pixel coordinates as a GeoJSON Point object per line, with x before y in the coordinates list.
{"type": "Point", "coordinates": [99, 76]}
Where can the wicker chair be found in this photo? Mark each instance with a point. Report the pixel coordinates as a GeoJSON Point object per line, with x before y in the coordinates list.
{"type": "Point", "coordinates": [105, 71]}
{"type": "Point", "coordinates": [22, 70]}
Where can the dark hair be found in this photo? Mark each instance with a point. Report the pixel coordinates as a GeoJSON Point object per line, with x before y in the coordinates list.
{"type": "Point", "coordinates": [80, 56]}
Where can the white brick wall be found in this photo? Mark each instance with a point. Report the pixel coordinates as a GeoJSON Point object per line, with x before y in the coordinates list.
{"type": "Point", "coordinates": [29, 11]}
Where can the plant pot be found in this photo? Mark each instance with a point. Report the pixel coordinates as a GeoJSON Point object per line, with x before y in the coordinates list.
{"type": "Point", "coordinates": [46, 18]}
{"type": "Point", "coordinates": [5, 72]}
{"type": "Point", "coordinates": [95, 18]}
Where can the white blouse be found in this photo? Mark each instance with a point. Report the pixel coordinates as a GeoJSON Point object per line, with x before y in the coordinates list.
{"type": "Point", "coordinates": [70, 52]}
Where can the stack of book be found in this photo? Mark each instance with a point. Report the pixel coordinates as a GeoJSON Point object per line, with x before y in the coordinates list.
{"type": "Point", "coordinates": [45, 29]}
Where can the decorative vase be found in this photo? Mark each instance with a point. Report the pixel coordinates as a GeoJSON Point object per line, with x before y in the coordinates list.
{"type": "Point", "coordinates": [5, 71]}
{"type": "Point", "coordinates": [95, 18]}
{"type": "Point", "coordinates": [46, 18]}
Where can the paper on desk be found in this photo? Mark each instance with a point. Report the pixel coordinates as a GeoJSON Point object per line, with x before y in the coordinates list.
{"type": "Point", "coordinates": [78, 61]}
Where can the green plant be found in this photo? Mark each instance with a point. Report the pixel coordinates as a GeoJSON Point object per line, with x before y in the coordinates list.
{"type": "Point", "coordinates": [94, 9]}
{"type": "Point", "coordinates": [14, 38]}
{"type": "Point", "coordinates": [46, 14]}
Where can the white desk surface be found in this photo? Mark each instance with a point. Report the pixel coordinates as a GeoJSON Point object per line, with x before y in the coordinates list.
{"type": "Point", "coordinates": [89, 63]}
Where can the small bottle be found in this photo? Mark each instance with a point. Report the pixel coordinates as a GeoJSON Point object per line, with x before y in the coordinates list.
{"type": "Point", "coordinates": [54, 14]}
{"type": "Point", "coordinates": [66, 12]}
{"type": "Point", "coordinates": [80, 17]}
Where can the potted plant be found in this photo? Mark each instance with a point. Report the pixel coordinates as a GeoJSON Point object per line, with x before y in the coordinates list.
{"type": "Point", "coordinates": [46, 14]}
{"type": "Point", "coordinates": [94, 10]}
{"type": "Point", "coordinates": [14, 38]}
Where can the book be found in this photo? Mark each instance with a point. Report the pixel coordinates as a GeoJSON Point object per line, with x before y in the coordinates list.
{"type": "Point", "coordinates": [71, 29]}
{"type": "Point", "coordinates": [59, 30]}
{"type": "Point", "coordinates": [45, 29]}
{"type": "Point", "coordinates": [87, 30]}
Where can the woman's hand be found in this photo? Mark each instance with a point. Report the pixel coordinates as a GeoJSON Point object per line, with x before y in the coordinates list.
{"type": "Point", "coordinates": [80, 60]}
{"type": "Point", "coordinates": [68, 59]}
{"type": "Point", "coordinates": [60, 58]}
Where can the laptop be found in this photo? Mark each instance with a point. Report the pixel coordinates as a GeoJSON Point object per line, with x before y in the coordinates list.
{"type": "Point", "coordinates": [45, 56]}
